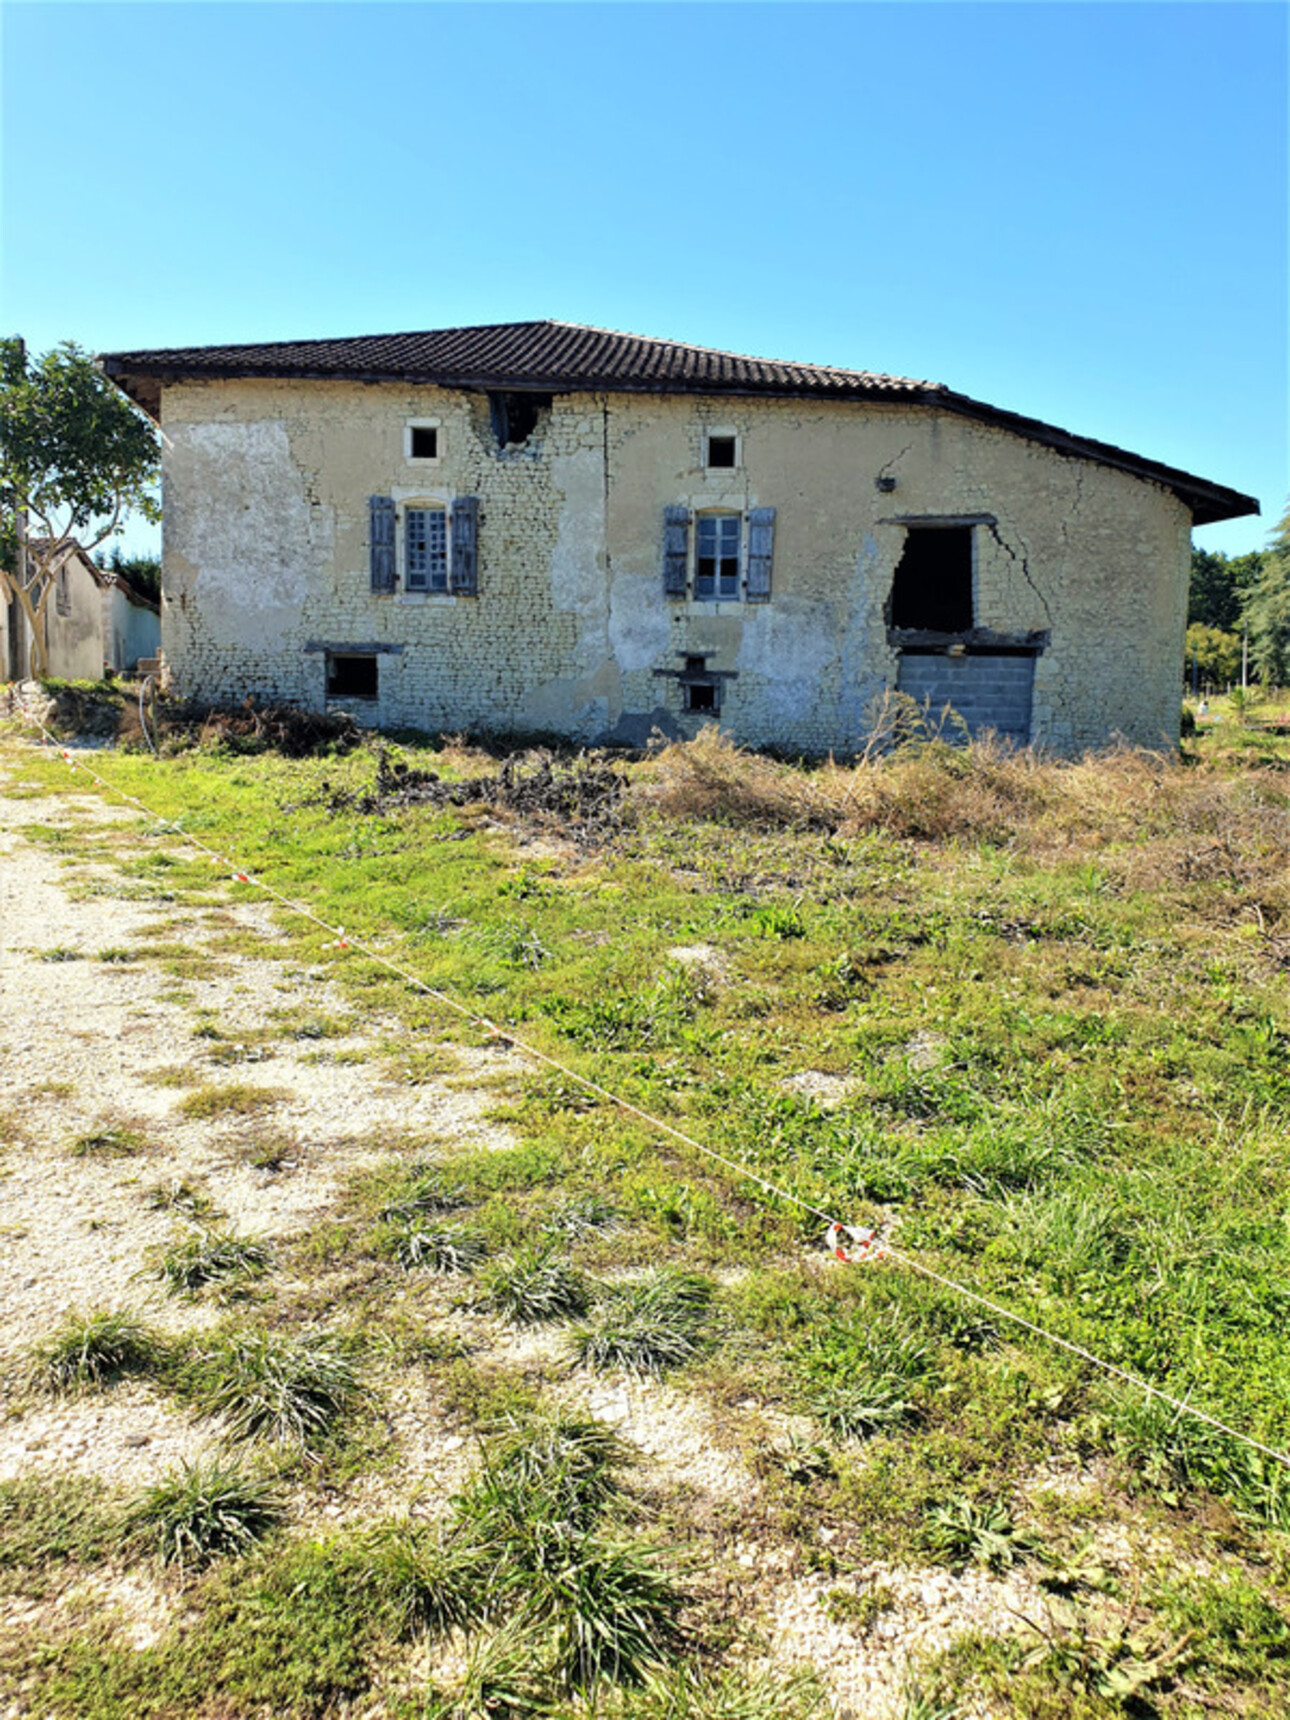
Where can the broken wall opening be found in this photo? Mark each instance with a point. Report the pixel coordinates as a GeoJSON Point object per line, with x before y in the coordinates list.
{"type": "Point", "coordinates": [932, 588]}
{"type": "Point", "coordinates": [515, 416]}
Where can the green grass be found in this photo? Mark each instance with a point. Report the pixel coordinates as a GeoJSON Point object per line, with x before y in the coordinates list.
{"type": "Point", "coordinates": [1053, 1006]}
{"type": "Point", "coordinates": [535, 1288]}
{"type": "Point", "coordinates": [211, 1257]}
{"type": "Point", "coordinates": [91, 1351]}
{"type": "Point", "coordinates": [116, 1141]}
{"type": "Point", "coordinates": [647, 1327]}
{"type": "Point", "coordinates": [204, 1511]}
{"type": "Point", "coordinates": [264, 1386]}
{"type": "Point", "coordinates": [235, 1099]}
{"type": "Point", "coordinates": [46, 1524]}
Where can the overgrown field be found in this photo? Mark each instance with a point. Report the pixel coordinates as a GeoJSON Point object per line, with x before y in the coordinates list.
{"type": "Point", "coordinates": [1030, 1021]}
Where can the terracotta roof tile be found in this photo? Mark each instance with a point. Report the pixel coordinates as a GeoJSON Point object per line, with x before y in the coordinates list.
{"type": "Point", "coordinates": [556, 355]}
{"type": "Point", "coordinates": [563, 358]}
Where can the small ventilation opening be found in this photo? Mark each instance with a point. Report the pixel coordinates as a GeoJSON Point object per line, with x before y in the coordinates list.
{"type": "Point", "coordinates": [700, 695]}
{"type": "Point", "coordinates": [351, 676]}
{"type": "Point", "coordinates": [514, 417]}
{"type": "Point", "coordinates": [932, 590]}
{"type": "Point", "coordinates": [425, 442]}
{"type": "Point", "coordinates": [721, 451]}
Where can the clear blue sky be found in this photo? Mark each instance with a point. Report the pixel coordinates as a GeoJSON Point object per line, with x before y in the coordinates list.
{"type": "Point", "coordinates": [1077, 212]}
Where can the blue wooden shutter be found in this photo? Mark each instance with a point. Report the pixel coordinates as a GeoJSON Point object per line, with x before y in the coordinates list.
{"type": "Point", "coordinates": [381, 539]}
{"type": "Point", "coordinates": [676, 544]}
{"type": "Point", "coordinates": [465, 553]}
{"type": "Point", "coordinates": [761, 550]}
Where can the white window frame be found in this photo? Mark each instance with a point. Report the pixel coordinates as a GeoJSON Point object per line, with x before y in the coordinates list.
{"type": "Point", "coordinates": [704, 516]}
{"type": "Point", "coordinates": [422, 424]}
{"type": "Point", "coordinates": [424, 505]}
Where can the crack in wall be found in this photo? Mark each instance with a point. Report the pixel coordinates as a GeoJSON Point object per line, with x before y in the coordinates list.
{"type": "Point", "coordinates": [884, 471]}
{"type": "Point", "coordinates": [1023, 562]}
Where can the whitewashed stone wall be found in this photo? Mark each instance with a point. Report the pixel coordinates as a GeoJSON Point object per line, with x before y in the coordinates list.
{"type": "Point", "coordinates": [267, 561]}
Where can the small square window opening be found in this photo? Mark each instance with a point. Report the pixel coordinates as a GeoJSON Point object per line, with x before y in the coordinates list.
{"type": "Point", "coordinates": [424, 442]}
{"type": "Point", "coordinates": [351, 675]}
{"type": "Point", "coordinates": [716, 565]}
{"type": "Point", "coordinates": [721, 451]}
{"type": "Point", "coordinates": [700, 695]}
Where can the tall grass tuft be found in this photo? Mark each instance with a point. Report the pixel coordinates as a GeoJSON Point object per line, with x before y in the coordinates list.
{"type": "Point", "coordinates": [535, 1288]}
{"type": "Point", "coordinates": [90, 1351]}
{"type": "Point", "coordinates": [209, 1257]}
{"type": "Point", "coordinates": [269, 1387]}
{"type": "Point", "coordinates": [203, 1512]}
{"type": "Point", "coordinates": [658, 1322]}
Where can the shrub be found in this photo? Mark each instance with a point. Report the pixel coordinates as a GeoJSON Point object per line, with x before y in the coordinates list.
{"type": "Point", "coordinates": [93, 1350]}
{"type": "Point", "coordinates": [269, 1387]}
{"type": "Point", "coordinates": [535, 1287]}
{"type": "Point", "coordinates": [204, 1511]}
{"type": "Point", "coordinates": [646, 1327]}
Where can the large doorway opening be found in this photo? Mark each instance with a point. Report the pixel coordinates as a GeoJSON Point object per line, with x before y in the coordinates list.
{"type": "Point", "coordinates": [932, 588]}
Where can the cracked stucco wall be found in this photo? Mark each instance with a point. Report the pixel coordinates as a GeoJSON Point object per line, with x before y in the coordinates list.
{"type": "Point", "coordinates": [266, 553]}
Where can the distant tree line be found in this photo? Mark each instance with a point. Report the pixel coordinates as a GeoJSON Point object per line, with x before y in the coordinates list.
{"type": "Point", "coordinates": [1249, 594]}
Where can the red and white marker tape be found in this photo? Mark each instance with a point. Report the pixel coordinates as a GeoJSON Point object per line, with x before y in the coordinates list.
{"type": "Point", "coordinates": [342, 942]}
{"type": "Point", "coordinates": [864, 1245]}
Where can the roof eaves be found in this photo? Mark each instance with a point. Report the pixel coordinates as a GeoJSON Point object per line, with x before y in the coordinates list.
{"type": "Point", "coordinates": [1207, 501]}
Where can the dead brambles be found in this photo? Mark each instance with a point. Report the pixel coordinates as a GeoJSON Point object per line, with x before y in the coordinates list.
{"type": "Point", "coordinates": [585, 797]}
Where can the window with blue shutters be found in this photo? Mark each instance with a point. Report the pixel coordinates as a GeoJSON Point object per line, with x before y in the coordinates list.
{"type": "Point", "coordinates": [425, 549]}
{"type": "Point", "coordinates": [716, 557]}
{"type": "Point", "coordinates": [731, 561]}
{"type": "Point", "coordinates": [761, 549]}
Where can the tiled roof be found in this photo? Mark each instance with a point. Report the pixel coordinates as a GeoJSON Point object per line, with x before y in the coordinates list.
{"type": "Point", "coordinates": [546, 355]}
{"type": "Point", "coordinates": [563, 358]}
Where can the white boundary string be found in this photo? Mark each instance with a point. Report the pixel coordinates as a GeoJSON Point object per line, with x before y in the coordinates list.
{"type": "Point", "coordinates": [737, 1166]}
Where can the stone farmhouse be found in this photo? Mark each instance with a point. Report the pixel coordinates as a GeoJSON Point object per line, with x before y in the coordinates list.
{"type": "Point", "coordinates": [544, 527]}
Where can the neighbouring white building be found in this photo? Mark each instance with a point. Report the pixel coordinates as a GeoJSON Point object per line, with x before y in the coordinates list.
{"type": "Point", "coordinates": [541, 527]}
{"type": "Point", "coordinates": [93, 621]}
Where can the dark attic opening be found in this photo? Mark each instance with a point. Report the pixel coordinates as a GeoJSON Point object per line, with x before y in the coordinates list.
{"type": "Point", "coordinates": [932, 588]}
{"type": "Point", "coordinates": [514, 417]}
